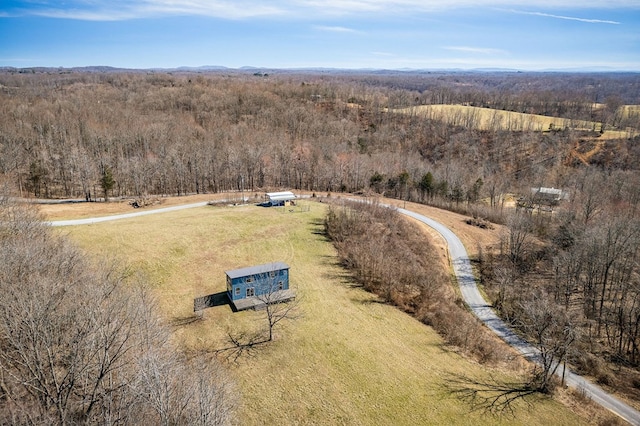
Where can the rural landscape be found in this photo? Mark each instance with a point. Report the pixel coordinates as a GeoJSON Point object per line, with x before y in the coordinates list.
{"type": "Point", "coordinates": [537, 173]}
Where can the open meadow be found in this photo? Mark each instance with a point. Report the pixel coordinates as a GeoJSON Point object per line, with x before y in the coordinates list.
{"type": "Point", "coordinates": [495, 119]}
{"type": "Point", "coordinates": [345, 359]}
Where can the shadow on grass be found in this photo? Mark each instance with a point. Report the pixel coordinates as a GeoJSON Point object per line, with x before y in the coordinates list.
{"type": "Point", "coordinates": [241, 344]}
{"type": "Point", "coordinates": [318, 229]}
{"type": "Point", "coordinates": [336, 271]}
{"type": "Point", "coordinates": [201, 303]}
{"type": "Point", "coordinates": [493, 396]}
{"type": "Point", "coordinates": [185, 320]}
{"type": "Point", "coordinates": [373, 301]}
{"type": "Point", "coordinates": [210, 301]}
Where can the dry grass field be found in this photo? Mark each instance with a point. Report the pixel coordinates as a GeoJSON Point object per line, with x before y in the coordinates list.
{"type": "Point", "coordinates": [346, 359]}
{"type": "Point", "coordinates": [494, 119]}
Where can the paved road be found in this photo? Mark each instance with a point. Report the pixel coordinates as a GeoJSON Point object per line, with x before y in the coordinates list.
{"type": "Point", "coordinates": [470, 294]}
{"type": "Point", "coordinates": [482, 309]}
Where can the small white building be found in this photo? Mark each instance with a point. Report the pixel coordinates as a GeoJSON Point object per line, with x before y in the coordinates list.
{"type": "Point", "coordinates": [283, 198]}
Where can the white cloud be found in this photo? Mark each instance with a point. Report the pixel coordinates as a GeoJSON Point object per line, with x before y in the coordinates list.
{"type": "Point", "coordinates": [87, 15]}
{"type": "Point", "coordinates": [393, 6]}
{"type": "Point", "coordinates": [479, 50]}
{"type": "Point", "coordinates": [336, 29]}
{"type": "Point", "coordinates": [226, 9]}
{"type": "Point", "coordinates": [240, 9]}
{"type": "Point", "coordinates": [123, 9]}
{"type": "Point", "coordinates": [569, 18]}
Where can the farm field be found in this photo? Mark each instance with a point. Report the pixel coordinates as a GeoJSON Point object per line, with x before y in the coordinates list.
{"type": "Point", "coordinates": [494, 119]}
{"type": "Point", "coordinates": [346, 360]}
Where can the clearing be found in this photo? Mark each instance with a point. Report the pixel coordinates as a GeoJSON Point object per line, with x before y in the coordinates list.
{"type": "Point", "coordinates": [494, 119]}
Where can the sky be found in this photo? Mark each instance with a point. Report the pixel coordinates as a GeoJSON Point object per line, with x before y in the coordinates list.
{"type": "Point", "coordinates": [351, 34]}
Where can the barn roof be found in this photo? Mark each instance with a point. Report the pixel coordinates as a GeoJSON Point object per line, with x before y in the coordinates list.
{"type": "Point", "coordinates": [550, 191]}
{"type": "Point", "coordinates": [281, 196]}
{"type": "Point", "coordinates": [553, 193]}
{"type": "Point", "coordinates": [258, 269]}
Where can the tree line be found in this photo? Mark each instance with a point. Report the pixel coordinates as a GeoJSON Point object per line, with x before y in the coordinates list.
{"type": "Point", "coordinates": [390, 257]}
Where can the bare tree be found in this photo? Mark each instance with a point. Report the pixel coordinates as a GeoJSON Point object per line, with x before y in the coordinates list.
{"type": "Point", "coordinates": [519, 233]}
{"type": "Point", "coordinates": [552, 331]}
{"type": "Point", "coordinates": [278, 306]}
{"type": "Point", "coordinates": [65, 329]}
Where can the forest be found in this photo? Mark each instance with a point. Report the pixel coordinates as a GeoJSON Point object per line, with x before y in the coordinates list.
{"type": "Point", "coordinates": [80, 134]}
{"type": "Point", "coordinates": [95, 135]}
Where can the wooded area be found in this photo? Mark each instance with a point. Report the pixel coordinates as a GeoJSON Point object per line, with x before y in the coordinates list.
{"type": "Point", "coordinates": [95, 135]}
{"type": "Point", "coordinates": [83, 344]}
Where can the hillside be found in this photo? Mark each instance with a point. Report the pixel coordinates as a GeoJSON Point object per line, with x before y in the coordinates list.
{"type": "Point", "coordinates": [488, 119]}
{"type": "Point", "coordinates": [81, 134]}
{"type": "Point", "coordinates": [346, 359]}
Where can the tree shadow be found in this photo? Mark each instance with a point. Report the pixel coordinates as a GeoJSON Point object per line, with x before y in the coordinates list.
{"type": "Point", "coordinates": [493, 396]}
{"type": "Point", "coordinates": [373, 301]}
{"type": "Point", "coordinates": [318, 229]}
{"type": "Point", "coordinates": [185, 320]}
{"type": "Point", "coordinates": [241, 344]}
{"type": "Point", "coordinates": [336, 271]}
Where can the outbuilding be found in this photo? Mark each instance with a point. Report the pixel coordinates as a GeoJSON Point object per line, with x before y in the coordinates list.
{"type": "Point", "coordinates": [255, 286]}
{"type": "Point", "coordinates": [548, 196]}
{"type": "Point", "coordinates": [284, 198]}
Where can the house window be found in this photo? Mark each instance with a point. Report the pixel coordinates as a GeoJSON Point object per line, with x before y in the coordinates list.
{"type": "Point", "coordinates": [249, 279]}
{"type": "Point", "coordinates": [251, 292]}
{"type": "Point", "coordinates": [237, 291]}
{"type": "Point", "coordinates": [280, 285]}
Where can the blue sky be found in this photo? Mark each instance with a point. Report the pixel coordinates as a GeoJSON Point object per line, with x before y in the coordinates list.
{"type": "Point", "coordinates": [389, 34]}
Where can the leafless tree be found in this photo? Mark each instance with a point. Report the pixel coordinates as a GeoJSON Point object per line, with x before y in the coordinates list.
{"type": "Point", "coordinates": [552, 331]}
{"type": "Point", "coordinates": [276, 308]}
{"type": "Point", "coordinates": [518, 237]}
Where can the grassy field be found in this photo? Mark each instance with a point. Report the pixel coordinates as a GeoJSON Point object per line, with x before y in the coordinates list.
{"type": "Point", "coordinates": [347, 359]}
{"type": "Point", "coordinates": [493, 119]}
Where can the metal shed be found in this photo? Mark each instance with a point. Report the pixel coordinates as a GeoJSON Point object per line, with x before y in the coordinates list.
{"type": "Point", "coordinates": [283, 198]}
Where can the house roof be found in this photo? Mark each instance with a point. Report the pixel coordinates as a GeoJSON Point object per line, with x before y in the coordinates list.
{"type": "Point", "coordinates": [550, 191]}
{"type": "Point", "coordinates": [281, 196]}
{"type": "Point", "coordinates": [258, 269]}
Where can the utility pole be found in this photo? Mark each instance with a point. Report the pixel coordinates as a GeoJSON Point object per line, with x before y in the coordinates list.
{"type": "Point", "coordinates": [242, 188]}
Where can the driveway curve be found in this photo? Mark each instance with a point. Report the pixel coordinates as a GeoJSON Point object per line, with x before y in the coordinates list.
{"type": "Point", "coordinates": [482, 309]}
{"type": "Point", "coordinates": [470, 293]}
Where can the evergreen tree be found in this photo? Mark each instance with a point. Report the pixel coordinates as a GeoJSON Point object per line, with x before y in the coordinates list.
{"type": "Point", "coordinates": [107, 182]}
